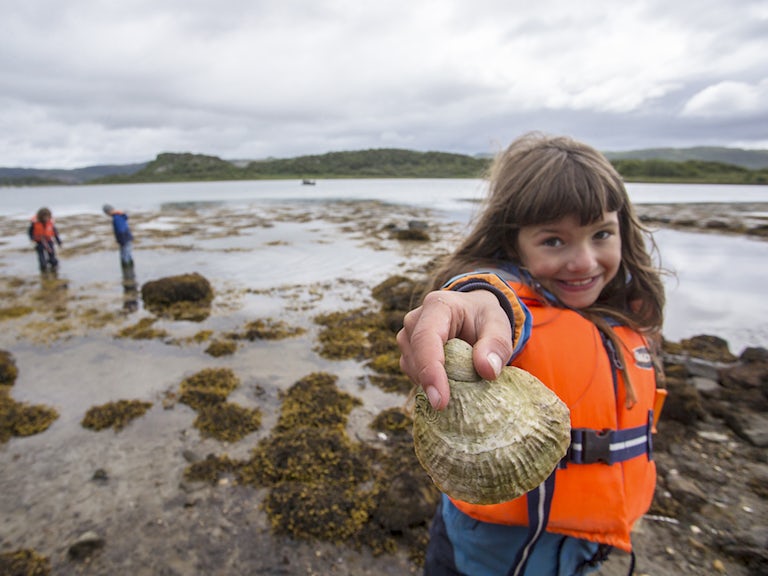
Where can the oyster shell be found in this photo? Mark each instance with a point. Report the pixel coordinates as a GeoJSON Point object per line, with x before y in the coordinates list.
{"type": "Point", "coordinates": [496, 440]}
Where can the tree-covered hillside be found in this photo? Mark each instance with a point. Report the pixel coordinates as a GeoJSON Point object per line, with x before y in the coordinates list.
{"type": "Point", "coordinates": [396, 163]}
{"type": "Point", "coordinates": [378, 163]}
{"type": "Point", "coordinates": [383, 163]}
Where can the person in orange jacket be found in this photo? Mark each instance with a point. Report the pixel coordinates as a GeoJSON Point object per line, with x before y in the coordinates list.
{"type": "Point", "coordinates": [42, 231]}
{"type": "Point", "coordinates": [557, 278]}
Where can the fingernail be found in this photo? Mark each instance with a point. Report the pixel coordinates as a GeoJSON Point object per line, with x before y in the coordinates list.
{"type": "Point", "coordinates": [495, 361]}
{"type": "Point", "coordinates": [434, 397]}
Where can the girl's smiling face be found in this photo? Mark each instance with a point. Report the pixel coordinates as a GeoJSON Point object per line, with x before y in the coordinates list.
{"type": "Point", "coordinates": [573, 262]}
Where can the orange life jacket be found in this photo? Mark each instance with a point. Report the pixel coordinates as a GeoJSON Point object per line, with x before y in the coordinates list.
{"type": "Point", "coordinates": [43, 230]}
{"type": "Point", "coordinates": [596, 501]}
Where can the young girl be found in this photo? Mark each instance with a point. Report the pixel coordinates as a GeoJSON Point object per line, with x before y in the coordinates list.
{"type": "Point", "coordinates": [555, 278]}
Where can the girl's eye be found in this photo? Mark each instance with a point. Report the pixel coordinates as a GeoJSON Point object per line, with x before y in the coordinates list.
{"type": "Point", "coordinates": [603, 235]}
{"type": "Point", "coordinates": [553, 242]}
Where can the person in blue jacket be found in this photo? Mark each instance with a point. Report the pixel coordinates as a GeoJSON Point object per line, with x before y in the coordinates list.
{"type": "Point", "coordinates": [122, 234]}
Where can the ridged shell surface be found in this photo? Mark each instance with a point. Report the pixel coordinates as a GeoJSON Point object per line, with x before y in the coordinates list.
{"type": "Point", "coordinates": [495, 440]}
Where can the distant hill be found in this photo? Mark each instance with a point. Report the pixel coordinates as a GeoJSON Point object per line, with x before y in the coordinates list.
{"type": "Point", "coordinates": [750, 159]}
{"type": "Point", "coordinates": [30, 176]}
{"type": "Point", "coordinates": [380, 163]}
{"type": "Point", "coordinates": [700, 164]}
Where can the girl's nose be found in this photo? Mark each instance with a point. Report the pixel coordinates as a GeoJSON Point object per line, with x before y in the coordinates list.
{"type": "Point", "coordinates": [582, 258]}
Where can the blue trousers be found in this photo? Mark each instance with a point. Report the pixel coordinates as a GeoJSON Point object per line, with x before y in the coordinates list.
{"type": "Point", "coordinates": [46, 255]}
{"type": "Point", "coordinates": [126, 255]}
{"type": "Point", "coordinates": [462, 546]}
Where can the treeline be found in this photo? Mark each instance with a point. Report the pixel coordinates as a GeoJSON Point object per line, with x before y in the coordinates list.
{"type": "Point", "coordinates": [693, 171]}
{"type": "Point", "coordinates": [396, 163]}
{"type": "Point", "coordinates": [382, 163]}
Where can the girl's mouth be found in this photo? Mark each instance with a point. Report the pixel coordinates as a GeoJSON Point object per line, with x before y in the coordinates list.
{"type": "Point", "coordinates": [576, 285]}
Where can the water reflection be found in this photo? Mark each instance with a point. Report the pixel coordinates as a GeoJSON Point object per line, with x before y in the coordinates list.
{"type": "Point", "coordinates": [718, 287]}
{"type": "Point", "coordinates": [130, 289]}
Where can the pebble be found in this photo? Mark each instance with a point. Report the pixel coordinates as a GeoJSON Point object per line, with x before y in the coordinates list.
{"type": "Point", "coordinates": [85, 545]}
{"type": "Point", "coordinates": [712, 436]}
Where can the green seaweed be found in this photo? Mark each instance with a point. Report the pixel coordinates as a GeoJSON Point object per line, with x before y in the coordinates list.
{"type": "Point", "coordinates": [315, 401]}
{"type": "Point", "coordinates": [267, 329]}
{"type": "Point", "coordinates": [21, 419]}
{"type": "Point", "coordinates": [218, 348]}
{"type": "Point", "coordinates": [8, 370]}
{"type": "Point", "coordinates": [207, 387]}
{"type": "Point", "coordinates": [116, 415]}
{"type": "Point", "coordinates": [24, 562]}
{"type": "Point", "coordinates": [227, 421]}
{"type": "Point", "coordinates": [142, 330]}
{"type": "Point", "coordinates": [211, 470]}
{"type": "Point", "coordinates": [10, 312]}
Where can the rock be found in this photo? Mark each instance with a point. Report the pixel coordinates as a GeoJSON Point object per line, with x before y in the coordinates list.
{"type": "Point", "coordinates": [397, 293]}
{"type": "Point", "coordinates": [85, 545]}
{"type": "Point", "coordinates": [418, 225]}
{"type": "Point", "coordinates": [750, 546]}
{"type": "Point", "coordinates": [174, 289]}
{"type": "Point", "coordinates": [751, 426]}
{"type": "Point", "coordinates": [407, 501]}
{"type": "Point", "coordinates": [184, 297]}
{"type": "Point", "coordinates": [705, 385]}
{"type": "Point", "coordinates": [100, 476]}
{"type": "Point", "coordinates": [748, 383]}
{"type": "Point", "coordinates": [713, 436]}
{"type": "Point", "coordinates": [683, 403]}
{"type": "Point", "coordinates": [753, 354]}
{"type": "Point", "coordinates": [685, 491]}
{"type": "Point", "coordinates": [708, 348]}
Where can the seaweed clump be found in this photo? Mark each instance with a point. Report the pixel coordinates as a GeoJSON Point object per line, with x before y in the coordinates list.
{"type": "Point", "coordinates": [227, 421]}
{"type": "Point", "coordinates": [208, 387]}
{"type": "Point", "coordinates": [315, 473]}
{"type": "Point", "coordinates": [116, 415]}
{"type": "Point", "coordinates": [11, 312]}
{"type": "Point", "coordinates": [267, 329]}
{"type": "Point", "coordinates": [8, 369]}
{"type": "Point", "coordinates": [211, 470]}
{"type": "Point", "coordinates": [363, 334]}
{"type": "Point", "coordinates": [219, 348]}
{"type": "Point", "coordinates": [142, 330]}
{"type": "Point", "coordinates": [183, 297]}
{"type": "Point", "coordinates": [24, 562]}
{"type": "Point", "coordinates": [324, 486]}
{"type": "Point", "coordinates": [206, 392]}
{"type": "Point", "coordinates": [21, 419]}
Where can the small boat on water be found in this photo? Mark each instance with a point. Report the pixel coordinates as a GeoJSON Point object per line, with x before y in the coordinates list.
{"type": "Point", "coordinates": [307, 182]}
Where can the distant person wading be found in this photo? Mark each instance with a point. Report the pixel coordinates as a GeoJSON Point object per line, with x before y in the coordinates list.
{"type": "Point", "coordinates": [42, 231]}
{"type": "Point", "coordinates": [122, 235]}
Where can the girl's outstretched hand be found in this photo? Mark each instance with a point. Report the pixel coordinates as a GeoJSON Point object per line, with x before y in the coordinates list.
{"type": "Point", "coordinates": [476, 317]}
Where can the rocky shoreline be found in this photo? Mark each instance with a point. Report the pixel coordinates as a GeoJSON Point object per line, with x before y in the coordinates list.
{"type": "Point", "coordinates": [122, 501]}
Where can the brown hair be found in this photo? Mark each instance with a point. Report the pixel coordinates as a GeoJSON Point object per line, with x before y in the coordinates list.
{"type": "Point", "coordinates": [43, 215]}
{"type": "Point", "coordinates": [540, 179]}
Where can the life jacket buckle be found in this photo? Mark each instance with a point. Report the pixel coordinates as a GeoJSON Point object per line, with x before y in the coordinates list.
{"type": "Point", "coordinates": [596, 446]}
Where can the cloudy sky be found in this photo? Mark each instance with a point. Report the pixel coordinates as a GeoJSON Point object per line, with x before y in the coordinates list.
{"type": "Point", "coordinates": [116, 82]}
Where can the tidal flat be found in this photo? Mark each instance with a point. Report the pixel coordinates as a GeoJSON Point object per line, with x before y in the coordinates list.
{"type": "Point", "coordinates": [84, 339]}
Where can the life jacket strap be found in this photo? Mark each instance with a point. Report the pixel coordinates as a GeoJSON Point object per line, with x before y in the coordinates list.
{"type": "Point", "coordinates": [590, 446]}
{"type": "Point", "coordinates": [539, 502]}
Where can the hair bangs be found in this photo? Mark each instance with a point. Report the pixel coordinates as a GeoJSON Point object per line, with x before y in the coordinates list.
{"type": "Point", "coordinates": [569, 186]}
